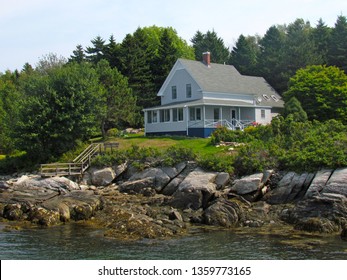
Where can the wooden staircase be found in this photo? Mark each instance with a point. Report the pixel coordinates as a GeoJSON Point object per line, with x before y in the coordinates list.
{"type": "Point", "coordinates": [79, 165]}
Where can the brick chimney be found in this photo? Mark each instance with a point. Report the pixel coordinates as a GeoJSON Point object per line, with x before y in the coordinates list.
{"type": "Point", "coordinates": [206, 58]}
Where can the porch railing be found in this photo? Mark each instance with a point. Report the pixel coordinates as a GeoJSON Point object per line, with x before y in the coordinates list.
{"type": "Point", "coordinates": [233, 124]}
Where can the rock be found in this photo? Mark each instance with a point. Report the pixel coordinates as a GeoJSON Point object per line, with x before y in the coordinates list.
{"type": "Point", "coordinates": [222, 179]}
{"type": "Point", "coordinates": [195, 190]}
{"type": "Point", "coordinates": [313, 224]}
{"type": "Point", "coordinates": [248, 184]}
{"type": "Point", "coordinates": [60, 184]}
{"type": "Point", "coordinates": [170, 188]}
{"type": "Point", "coordinates": [120, 169]}
{"type": "Point", "coordinates": [12, 212]}
{"type": "Point", "coordinates": [4, 185]}
{"type": "Point", "coordinates": [337, 182]}
{"type": "Point", "coordinates": [175, 215]}
{"type": "Point", "coordinates": [170, 171]}
{"type": "Point", "coordinates": [103, 177]}
{"type": "Point", "coordinates": [159, 177]}
{"type": "Point", "coordinates": [223, 213]}
{"type": "Point", "coordinates": [180, 167]}
{"type": "Point", "coordinates": [281, 193]}
{"type": "Point", "coordinates": [297, 185]}
{"type": "Point", "coordinates": [323, 213]}
{"type": "Point", "coordinates": [318, 183]}
{"type": "Point", "coordinates": [136, 186]}
{"type": "Point", "coordinates": [43, 216]}
{"type": "Point", "coordinates": [344, 233]}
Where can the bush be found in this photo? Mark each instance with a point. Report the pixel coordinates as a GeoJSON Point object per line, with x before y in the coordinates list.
{"type": "Point", "coordinates": [218, 164]}
{"type": "Point", "coordinates": [174, 155]}
{"type": "Point", "coordinates": [113, 132]}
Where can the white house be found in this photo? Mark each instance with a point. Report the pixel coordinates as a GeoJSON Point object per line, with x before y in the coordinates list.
{"type": "Point", "coordinates": [197, 97]}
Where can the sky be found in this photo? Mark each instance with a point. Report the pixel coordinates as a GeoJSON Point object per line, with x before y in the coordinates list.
{"type": "Point", "coordinates": [31, 29]}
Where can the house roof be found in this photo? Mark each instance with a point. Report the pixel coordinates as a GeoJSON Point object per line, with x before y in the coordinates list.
{"type": "Point", "coordinates": [226, 79]}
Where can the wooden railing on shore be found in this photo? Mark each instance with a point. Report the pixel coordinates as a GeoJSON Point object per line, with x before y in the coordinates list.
{"type": "Point", "coordinates": [79, 165]}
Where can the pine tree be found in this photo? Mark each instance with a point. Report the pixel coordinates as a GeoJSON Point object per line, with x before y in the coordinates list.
{"type": "Point", "coordinates": [97, 51]}
{"type": "Point", "coordinates": [78, 55]}
{"type": "Point", "coordinates": [321, 37]}
{"type": "Point", "coordinates": [244, 55]}
{"type": "Point", "coordinates": [270, 59]}
{"type": "Point", "coordinates": [112, 52]}
{"type": "Point", "coordinates": [337, 54]}
{"type": "Point", "coordinates": [166, 58]}
{"type": "Point", "coordinates": [294, 109]}
{"type": "Point", "coordinates": [212, 43]}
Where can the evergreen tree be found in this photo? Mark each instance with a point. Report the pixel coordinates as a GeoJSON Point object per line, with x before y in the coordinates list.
{"type": "Point", "coordinates": [337, 54]}
{"type": "Point", "coordinates": [212, 43]}
{"type": "Point", "coordinates": [97, 51]}
{"type": "Point", "coordinates": [78, 55]}
{"type": "Point", "coordinates": [321, 38]}
{"type": "Point", "coordinates": [166, 58]}
{"type": "Point", "coordinates": [270, 59]}
{"type": "Point", "coordinates": [112, 52]}
{"type": "Point", "coordinates": [118, 106]}
{"type": "Point", "coordinates": [244, 55]}
{"type": "Point", "coordinates": [300, 50]}
{"type": "Point", "coordinates": [294, 109]}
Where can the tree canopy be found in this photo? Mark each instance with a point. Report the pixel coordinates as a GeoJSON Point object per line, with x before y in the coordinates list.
{"type": "Point", "coordinates": [322, 92]}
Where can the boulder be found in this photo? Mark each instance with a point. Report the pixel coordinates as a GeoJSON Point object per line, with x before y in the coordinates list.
{"type": "Point", "coordinates": [297, 185]}
{"type": "Point", "coordinates": [223, 213]}
{"type": "Point", "coordinates": [281, 193]}
{"type": "Point", "coordinates": [175, 215]}
{"type": "Point", "coordinates": [344, 233]}
{"type": "Point", "coordinates": [318, 183]}
{"type": "Point", "coordinates": [44, 217]}
{"type": "Point", "coordinates": [103, 177]}
{"type": "Point", "coordinates": [248, 184]}
{"type": "Point", "coordinates": [171, 187]}
{"type": "Point", "coordinates": [60, 184]}
{"type": "Point", "coordinates": [158, 176]}
{"type": "Point", "coordinates": [324, 213]}
{"type": "Point", "coordinates": [120, 169]}
{"type": "Point", "coordinates": [222, 179]}
{"type": "Point", "coordinates": [137, 186]}
{"type": "Point", "coordinates": [337, 182]}
{"type": "Point", "coordinates": [195, 190]}
{"type": "Point", "coordinates": [12, 212]}
{"type": "Point", "coordinates": [170, 171]}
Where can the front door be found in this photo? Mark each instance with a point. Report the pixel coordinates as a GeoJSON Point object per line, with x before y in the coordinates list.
{"type": "Point", "coordinates": [233, 117]}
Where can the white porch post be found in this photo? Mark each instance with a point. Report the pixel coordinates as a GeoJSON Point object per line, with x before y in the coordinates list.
{"type": "Point", "coordinates": [187, 121]}
{"type": "Point", "coordinates": [204, 116]}
{"type": "Point", "coordinates": [221, 115]}
{"type": "Point", "coordinates": [239, 113]}
{"type": "Point", "coordinates": [145, 116]}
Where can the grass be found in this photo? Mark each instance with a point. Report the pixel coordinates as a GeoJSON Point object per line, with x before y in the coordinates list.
{"type": "Point", "coordinates": [201, 146]}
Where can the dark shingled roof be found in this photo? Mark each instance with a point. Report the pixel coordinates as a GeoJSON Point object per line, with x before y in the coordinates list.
{"type": "Point", "coordinates": [226, 79]}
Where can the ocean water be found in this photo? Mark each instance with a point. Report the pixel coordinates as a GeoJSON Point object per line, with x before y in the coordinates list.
{"type": "Point", "coordinates": [79, 242]}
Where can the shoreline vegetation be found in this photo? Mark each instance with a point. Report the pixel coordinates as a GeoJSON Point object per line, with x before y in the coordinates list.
{"type": "Point", "coordinates": [167, 191]}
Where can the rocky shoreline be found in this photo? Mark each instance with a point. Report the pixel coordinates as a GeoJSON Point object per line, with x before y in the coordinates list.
{"type": "Point", "coordinates": [163, 202]}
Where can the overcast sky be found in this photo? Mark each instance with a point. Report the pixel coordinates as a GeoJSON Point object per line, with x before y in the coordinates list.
{"type": "Point", "coordinates": [30, 29]}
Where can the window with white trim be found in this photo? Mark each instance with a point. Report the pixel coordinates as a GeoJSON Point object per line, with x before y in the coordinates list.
{"type": "Point", "coordinates": [177, 114]}
{"type": "Point", "coordinates": [174, 92]}
{"type": "Point", "coordinates": [188, 90]}
{"type": "Point", "coordinates": [165, 115]}
{"type": "Point", "coordinates": [262, 114]}
{"type": "Point", "coordinates": [195, 114]}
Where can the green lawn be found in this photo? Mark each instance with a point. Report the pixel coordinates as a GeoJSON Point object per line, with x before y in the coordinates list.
{"type": "Point", "coordinates": [200, 146]}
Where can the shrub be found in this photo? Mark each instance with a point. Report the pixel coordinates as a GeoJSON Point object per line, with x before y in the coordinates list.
{"type": "Point", "coordinates": [218, 164]}
{"type": "Point", "coordinates": [175, 154]}
{"type": "Point", "coordinates": [113, 132]}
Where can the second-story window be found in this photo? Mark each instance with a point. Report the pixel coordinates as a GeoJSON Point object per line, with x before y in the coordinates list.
{"type": "Point", "coordinates": [174, 92]}
{"type": "Point", "coordinates": [188, 90]}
